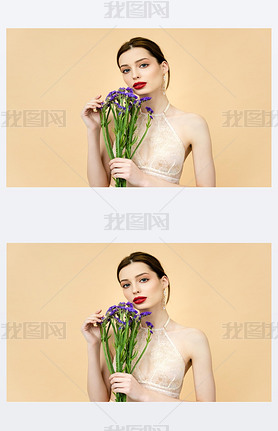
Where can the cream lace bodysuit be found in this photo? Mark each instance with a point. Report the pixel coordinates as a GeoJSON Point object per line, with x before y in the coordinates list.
{"type": "Point", "coordinates": [162, 366]}
{"type": "Point", "coordinates": [161, 152]}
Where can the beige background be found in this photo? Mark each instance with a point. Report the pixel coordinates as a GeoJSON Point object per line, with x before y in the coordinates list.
{"type": "Point", "coordinates": [211, 284]}
{"type": "Point", "coordinates": [212, 71]}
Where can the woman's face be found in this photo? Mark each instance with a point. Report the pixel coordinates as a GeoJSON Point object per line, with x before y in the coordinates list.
{"type": "Point", "coordinates": [138, 280]}
{"type": "Point", "coordinates": [137, 65]}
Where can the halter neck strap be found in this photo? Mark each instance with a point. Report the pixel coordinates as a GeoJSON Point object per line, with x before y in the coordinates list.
{"type": "Point", "coordinates": [167, 322]}
{"type": "Point", "coordinates": [158, 329]}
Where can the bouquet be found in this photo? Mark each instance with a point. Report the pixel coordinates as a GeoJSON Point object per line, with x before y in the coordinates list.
{"type": "Point", "coordinates": [125, 107]}
{"type": "Point", "coordinates": [125, 321]}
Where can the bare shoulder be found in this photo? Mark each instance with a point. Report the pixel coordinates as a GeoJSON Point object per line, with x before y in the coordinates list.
{"type": "Point", "coordinates": [189, 125]}
{"type": "Point", "coordinates": [190, 119]}
{"type": "Point", "coordinates": [193, 334]}
{"type": "Point", "coordinates": [188, 337]}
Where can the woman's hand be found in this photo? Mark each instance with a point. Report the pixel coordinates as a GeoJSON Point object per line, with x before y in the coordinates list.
{"type": "Point", "coordinates": [90, 328]}
{"type": "Point", "coordinates": [127, 169]}
{"type": "Point", "coordinates": [127, 384]}
{"type": "Point", "coordinates": [90, 113]}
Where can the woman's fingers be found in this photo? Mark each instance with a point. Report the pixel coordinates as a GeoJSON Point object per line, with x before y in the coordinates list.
{"type": "Point", "coordinates": [93, 104]}
{"type": "Point", "coordinates": [93, 319]}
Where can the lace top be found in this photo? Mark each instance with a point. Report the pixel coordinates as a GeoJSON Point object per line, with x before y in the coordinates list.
{"type": "Point", "coordinates": [162, 366]}
{"type": "Point", "coordinates": [161, 152]}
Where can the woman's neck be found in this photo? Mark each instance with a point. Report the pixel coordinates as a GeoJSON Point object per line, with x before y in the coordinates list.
{"type": "Point", "coordinates": [157, 319]}
{"type": "Point", "coordinates": [158, 105]}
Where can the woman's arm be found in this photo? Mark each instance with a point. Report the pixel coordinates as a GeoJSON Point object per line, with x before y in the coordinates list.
{"type": "Point", "coordinates": [202, 367]}
{"type": "Point", "coordinates": [97, 388]}
{"type": "Point", "coordinates": [202, 152]}
{"type": "Point", "coordinates": [98, 385]}
{"type": "Point", "coordinates": [98, 171]}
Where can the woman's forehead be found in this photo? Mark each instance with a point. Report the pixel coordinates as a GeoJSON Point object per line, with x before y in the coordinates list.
{"type": "Point", "coordinates": [134, 269]}
{"type": "Point", "coordinates": [133, 55]}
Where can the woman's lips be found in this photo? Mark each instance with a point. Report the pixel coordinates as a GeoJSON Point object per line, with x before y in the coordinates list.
{"type": "Point", "coordinates": [139, 85]}
{"type": "Point", "coordinates": [139, 300]}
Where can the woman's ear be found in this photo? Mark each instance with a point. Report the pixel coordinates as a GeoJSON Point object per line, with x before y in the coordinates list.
{"type": "Point", "coordinates": [165, 281]}
{"type": "Point", "coordinates": [165, 66]}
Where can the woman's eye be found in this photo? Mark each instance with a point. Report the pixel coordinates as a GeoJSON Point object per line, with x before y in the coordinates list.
{"type": "Point", "coordinates": [125, 285]}
{"type": "Point", "coordinates": [142, 64]}
{"type": "Point", "coordinates": [142, 279]}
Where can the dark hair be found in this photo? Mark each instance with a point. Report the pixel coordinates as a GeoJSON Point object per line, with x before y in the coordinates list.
{"type": "Point", "coordinates": [149, 260]}
{"type": "Point", "coordinates": [152, 47]}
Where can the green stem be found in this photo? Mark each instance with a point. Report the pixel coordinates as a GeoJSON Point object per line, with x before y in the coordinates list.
{"type": "Point", "coordinates": [147, 127]}
{"type": "Point", "coordinates": [106, 135]}
{"type": "Point", "coordinates": [148, 340]}
{"type": "Point", "coordinates": [107, 355]}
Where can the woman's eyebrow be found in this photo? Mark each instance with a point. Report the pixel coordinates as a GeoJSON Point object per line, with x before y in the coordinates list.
{"type": "Point", "coordinates": [125, 279]}
{"type": "Point", "coordinates": [137, 61]}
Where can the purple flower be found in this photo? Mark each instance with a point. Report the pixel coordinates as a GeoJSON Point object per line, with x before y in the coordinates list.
{"type": "Point", "coordinates": [149, 109]}
{"type": "Point", "coordinates": [131, 310]}
{"type": "Point", "coordinates": [133, 96]}
{"type": "Point", "coordinates": [149, 324]}
{"type": "Point", "coordinates": [120, 106]}
{"type": "Point", "coordinates": [120, 321]}
{"type": "Point", "coordinates": [145, 313]}
{"type": "Point", "coordinates": [144, 99]}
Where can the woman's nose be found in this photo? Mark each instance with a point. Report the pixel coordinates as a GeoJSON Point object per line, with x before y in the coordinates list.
{"type": "Point", "coordinates": [135, 74]}
{"type": "Point", "coordinates": [135, 288]}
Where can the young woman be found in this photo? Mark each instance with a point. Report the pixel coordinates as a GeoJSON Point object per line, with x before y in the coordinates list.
{"type": "Point", "coordinates": [173, 134]}
{"type": "Point", "coordinates": [173, 348]}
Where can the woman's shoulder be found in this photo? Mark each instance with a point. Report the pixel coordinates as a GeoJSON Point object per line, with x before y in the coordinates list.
{"type": "Point", "coordinates": [187, 339]}
{"type": "Point", "coordinates": [187, 118]}
{"type": "Point", "coordinates": [189, 125]}
{"type": "Point", "coordinates": [187, 333]}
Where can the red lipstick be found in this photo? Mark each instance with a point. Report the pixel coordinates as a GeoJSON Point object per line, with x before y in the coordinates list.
{"type": "Point", "coordinates": [139, 299]}
{"type": "Point", "coordinates": [139, 85]}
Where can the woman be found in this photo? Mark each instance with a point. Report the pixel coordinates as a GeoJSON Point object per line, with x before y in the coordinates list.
{"type": "Point", "coordinates": [173, 348]}
{"type": "Point", "coordinates": [173, 134]}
